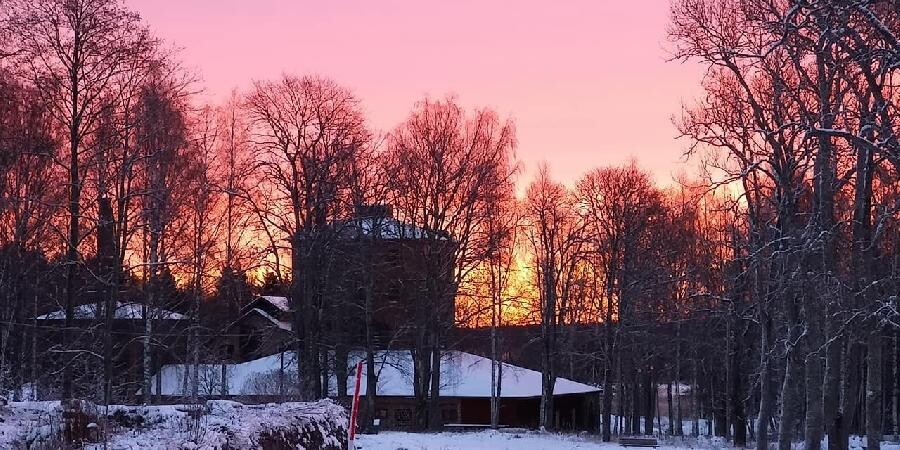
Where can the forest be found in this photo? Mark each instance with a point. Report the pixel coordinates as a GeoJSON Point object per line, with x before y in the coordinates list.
{"type": "Point", "coordinates": [765, 284]}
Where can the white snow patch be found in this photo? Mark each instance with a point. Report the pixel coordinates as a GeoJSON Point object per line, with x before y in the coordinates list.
{"type": "Point", "coordinates": [281, 303]}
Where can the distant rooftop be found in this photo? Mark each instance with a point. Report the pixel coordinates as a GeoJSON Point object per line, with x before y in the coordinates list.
{"type": "Point", "coordinates": [378, 221]}
{"type": "Point", "coordinates": [126, 311]}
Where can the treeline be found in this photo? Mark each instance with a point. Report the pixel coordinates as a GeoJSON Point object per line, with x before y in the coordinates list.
{"type": "Point", "coordinates": [772, 291]}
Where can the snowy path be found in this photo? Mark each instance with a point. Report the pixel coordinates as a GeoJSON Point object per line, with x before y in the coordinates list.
{"type": "Point", "coordinates": [529, 440]}
{"type": "Point", "coordinates": [484, 440]}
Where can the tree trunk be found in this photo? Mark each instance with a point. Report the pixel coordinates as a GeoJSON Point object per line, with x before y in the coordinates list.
{"type": "Point", "coordinates": [895, 397]}
{"type": "Point", "coordinates": [695, 428]}
{"type": "Point", "coordinates": [669, 402]}
{"type": "Point", "coordinates": [607, 402]}
{"type": "Point", "coordinates": [341, 362]}
{"type": "Point", "coordinates": [850, 390]}
{"type": "Point", "coordinates": [873, 390]}
{"type": "Point", "coordinates": [815, 368]}
{"type": "Point", "coordinates": [636, 402]}
{"type": "Point", "coordinates": [679, 425]}
{"type": "Point", "coordinates": [766, 405]}
{"type": "Point", "coordinates": [298, 297]}
{"type": "Point", "coordinates": [435, 421]}
{"type": "Point", "coordinates": [495, 380]}
{"type": "Point", "coordinates": [371, 387]}
{"type": "Point", "coordinates": [147, 374]}
{"type": "Point", "coordinates": [650, 403]}
{"type": "Point", "coordinates": [548, 348]}
{"type": "Point", "coordinates": [831, 397]}
{"type": "Point", "coordinates": [790, 388]}
{"type": "Point", "coordinates": [737, 408]}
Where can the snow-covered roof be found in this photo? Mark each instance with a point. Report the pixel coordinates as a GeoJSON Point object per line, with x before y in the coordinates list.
{"type": "Point", "coordinates": [281, 303]}
{"type": "Point", "coordinates": [286, 326]}
{"type": "Point", "coordinates": [127, 310]}
{"type": "Point", "coordinates": [462, 375]}
{"type": "Point", "coordinates": [385, 228]}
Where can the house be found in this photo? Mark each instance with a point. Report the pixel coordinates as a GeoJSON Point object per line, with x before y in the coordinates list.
{"type": "Point", "coordinates": [263, 327]}
{"type": "Point", "coordinates": [380, 269]}
{"type": "Point", "coordinates": [128, 327]}
{"type": "Point", "coordinates": [465, 389]}
{"type": "Point", "coordinates": [372, 278]}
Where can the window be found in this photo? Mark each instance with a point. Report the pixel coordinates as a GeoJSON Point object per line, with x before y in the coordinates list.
{"type": "Point", "coordinates": [381, 413]}
{"type": "Point", "coordinates": [402, 417]}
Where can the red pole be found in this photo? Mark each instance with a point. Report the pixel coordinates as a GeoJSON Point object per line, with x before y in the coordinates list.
{"type": "Point", "coordinates": [354, 410]}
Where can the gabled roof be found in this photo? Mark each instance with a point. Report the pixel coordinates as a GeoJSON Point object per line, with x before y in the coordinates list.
{"type": "Point", "coordinates": [281, 324]}
{"type": "Point", "coordinates": [462, 375]}
{"type": "Point", "coordinates": [124, 311]}
{"type": "Point", "coordinates": [282, 303]}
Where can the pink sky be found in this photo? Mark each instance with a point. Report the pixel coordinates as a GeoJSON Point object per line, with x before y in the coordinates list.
{"type": "Point", "coordinates": [587, 82]}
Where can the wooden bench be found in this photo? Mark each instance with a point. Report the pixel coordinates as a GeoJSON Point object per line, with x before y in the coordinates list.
{"type": "Point", "coordinates": [888, 439]}
{"type": "Point", "coordinates": [638, 442]}
{"type": "Point", "coordinates": [468, 426]}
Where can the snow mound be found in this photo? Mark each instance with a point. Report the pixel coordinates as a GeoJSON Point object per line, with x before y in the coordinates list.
{"type": "Point", "coordinates": [215, 425]}
{"type": "Point", "coordinates": [222, 425]}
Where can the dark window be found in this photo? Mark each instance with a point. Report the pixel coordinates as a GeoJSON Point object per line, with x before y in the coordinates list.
{"type": "Point", "coordinates": [402, 417]}
{"type": "Point", "coordinates": [381, 413]}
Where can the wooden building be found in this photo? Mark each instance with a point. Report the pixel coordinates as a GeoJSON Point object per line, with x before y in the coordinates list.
{"type": "Point", "coordinates": [465, 390]}
{"type": "Point", "coordinates": [170, 340]}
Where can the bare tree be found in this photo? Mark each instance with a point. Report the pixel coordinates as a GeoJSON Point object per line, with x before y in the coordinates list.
{"type": "Point", "coordinates": [443, 165]}
{"type": "Point", "coordinates": [555, 235]}
{"type": "Point", "coordinates": [162, 138]}
{"type": "Point", "coordinates": [72, 50]}
{"type": "Point", "coordinates": [308, 131]}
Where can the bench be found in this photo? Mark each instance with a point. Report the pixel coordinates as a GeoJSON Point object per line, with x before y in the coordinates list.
{"type": "Point", "coordinates": [638, 442]}
{"type": "Point", "coordinates": [889, 439]}
{"type": "Point", "coordinates": [468, 426]}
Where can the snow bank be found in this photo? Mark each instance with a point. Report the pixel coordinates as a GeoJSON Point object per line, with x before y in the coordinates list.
{"type": "Point", "coordinates": [226, 425]}
{"type": "Point", "coordinates": [216, 425]}
{"type": "Point", "coordinates": [34, 424]}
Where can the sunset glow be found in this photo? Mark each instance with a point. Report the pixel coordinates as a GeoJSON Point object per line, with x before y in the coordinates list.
{"type": "Point", "coordinates": [588, 83]}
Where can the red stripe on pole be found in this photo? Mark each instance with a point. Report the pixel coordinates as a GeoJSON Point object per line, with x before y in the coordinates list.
{"type": "Point", "coordinates": [354, 410]}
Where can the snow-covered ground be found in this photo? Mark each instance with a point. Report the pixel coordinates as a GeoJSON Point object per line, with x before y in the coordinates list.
{"type": "Point", "coordinates": [483, 440]}
{"type": "Point", "coordinates": [531, 440]}
{"type": "Point", "coordinates": [222, 424]}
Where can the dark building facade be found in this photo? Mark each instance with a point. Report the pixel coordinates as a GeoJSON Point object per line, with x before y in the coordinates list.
{"type": "Point", "coordinates": [376, 276]}
{"type": "Point", "coordinates": [84, 348]}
